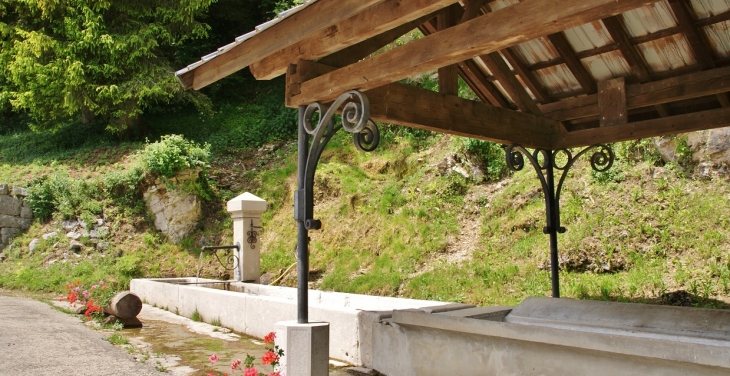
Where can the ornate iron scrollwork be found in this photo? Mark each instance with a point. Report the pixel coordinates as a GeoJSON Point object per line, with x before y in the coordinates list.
{"type": "Point", "coordinates": [319, 122]}
{"type": "Point", "coordinates": [252, 235]}
{"type": "Point", "coordinates": [541, 159]}
{"type": "Point", "coordinates": [545, 162]}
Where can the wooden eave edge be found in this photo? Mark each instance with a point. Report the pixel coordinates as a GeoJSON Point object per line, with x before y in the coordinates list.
{"type": "Point", "coordinates": [268, 38]}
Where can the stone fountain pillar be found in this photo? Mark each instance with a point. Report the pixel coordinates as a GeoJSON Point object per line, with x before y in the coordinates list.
{"type": "Point", "coordinates": [246, 211]}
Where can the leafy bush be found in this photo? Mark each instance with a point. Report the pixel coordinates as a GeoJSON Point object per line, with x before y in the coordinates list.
{"type": "Point", "coordinates": [60, 193]}
{"type": "Point", "coordinates": [172, 154]}
{"type": "Point", "coordinates": [123, 185]}
{"type": "Point", "coordinates": [490, 154]}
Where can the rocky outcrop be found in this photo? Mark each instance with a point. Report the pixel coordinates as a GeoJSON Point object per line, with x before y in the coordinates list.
{"type": "Point", "coordinates": [176, 212]}
{"type": "Point", "coordinates": [710, 149]}
{"type": "Point", "coordinates": [460, 164]}
{"type": "Point", "coordinates": [15, 213]}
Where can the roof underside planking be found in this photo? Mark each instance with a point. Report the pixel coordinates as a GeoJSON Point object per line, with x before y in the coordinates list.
{"type": "Point", "coordinates": [548, 73]}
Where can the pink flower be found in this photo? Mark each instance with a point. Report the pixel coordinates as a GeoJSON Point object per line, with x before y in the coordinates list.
{"type": "Point", "coordinates": [275, 374]}
{"type": "Point", "coordinates": [250, 372]}
{"type": "Point", "coordinates": [210, 374]}
{"type": "Point", "coordinates": [94, 287]}
{"type": "Point", "coordinates": [235, 364]}
{"type": "Point", "coordinates": [101, 282]}
{"type": "Point", "coordinates": [213, 358]}
{"type": "Point", "coordinates": [270, 337]}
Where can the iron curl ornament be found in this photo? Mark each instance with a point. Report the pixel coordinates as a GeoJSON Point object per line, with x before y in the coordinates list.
{"type": "Point", "coordinates": [545, 163]}
{"type": "Point", "coordinates": [601, 160]}
{"type": "Point", "coordinates": [318, 121]}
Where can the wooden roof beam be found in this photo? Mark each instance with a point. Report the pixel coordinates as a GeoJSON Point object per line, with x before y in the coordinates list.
{"type": "Point", "coordinates": [425, 109]}
{"type": "Point", "coordinates": [642, 129]}
{"type": "Point", "coordinates": [379, 18]}
{"type": "Point", "coordinates": [638, 66]}
{"type": "Point", "coordinates": [448, 76]}
{"type": "Point", "coordinates": [307, 22]}
{"type": "Point", "coordinates": [363, 49]}
{"type": "Point", "coordinates": [699, 46]}
{"type": "Point", "coordinates": [584, 78]}
{"type": "Point", "coordinates": [510, 83]}
{"type": "Point", "coordinates": [470, 72]}
{"type": "Point", "coordinates": [694, 85]}
{"type": "Point", "coordinates": [482, 35]}
{"type": "Point", "coordinates": [540, 93]}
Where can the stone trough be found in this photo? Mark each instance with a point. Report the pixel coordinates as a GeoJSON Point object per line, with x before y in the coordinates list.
{"type": "Point", "coordinates": [540, 336]}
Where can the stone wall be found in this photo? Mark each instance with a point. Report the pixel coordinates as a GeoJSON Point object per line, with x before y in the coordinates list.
{"type": "Point", "coordinates": [15, 213]}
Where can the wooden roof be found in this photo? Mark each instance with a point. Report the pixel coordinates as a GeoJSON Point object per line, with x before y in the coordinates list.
{"type": "Point", "coordinates": [548, 73]}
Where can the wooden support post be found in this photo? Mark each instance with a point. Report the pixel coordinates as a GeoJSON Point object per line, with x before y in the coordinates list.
{"type": "Point", "coordinates": [612, 102]}
{"type": "Point", "coordinates": [448, 75]}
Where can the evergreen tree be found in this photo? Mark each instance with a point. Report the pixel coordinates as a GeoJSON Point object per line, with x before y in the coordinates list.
{"type": "Point", "coordinates": [105, 60]}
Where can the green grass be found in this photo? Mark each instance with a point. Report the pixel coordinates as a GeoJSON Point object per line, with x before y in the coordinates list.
{"type": "Point", "coordinates": [118, 339]}
{"type": "Point", "coordinates": [392, 221]}
{"type": "Point", "coordinates": [196, 316]}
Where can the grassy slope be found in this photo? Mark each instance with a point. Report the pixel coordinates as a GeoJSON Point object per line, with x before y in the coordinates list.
{"type": "Point", "coordinates": [394, 226]}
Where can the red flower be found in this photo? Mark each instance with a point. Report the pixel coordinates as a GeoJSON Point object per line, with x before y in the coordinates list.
{"type": "Point", "coordinates": [275, 374]}
{"type": "Point", "coordinates": [269, 357]}
{"type": "Point", "coordinates": [250, 372]}
{"type": "Point", "coordinates": [270, 338]}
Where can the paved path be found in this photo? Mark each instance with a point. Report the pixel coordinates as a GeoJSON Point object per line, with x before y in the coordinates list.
{"type": "Point", "coordinates": [37, 340]}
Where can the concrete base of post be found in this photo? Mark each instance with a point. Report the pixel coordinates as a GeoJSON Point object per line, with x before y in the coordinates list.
{"type": "Point", "coordinates": [306, 347]}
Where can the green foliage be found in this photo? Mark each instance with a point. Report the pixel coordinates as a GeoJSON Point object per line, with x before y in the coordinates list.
{"type": "Point", "coordinates": [172, 154]}
{"type": "Point", "coordinates": [196, 316]}
{"type": "Point", "coordinates": [91, 60]}
{"type": "Point", "coordinates": [638, 151]}
{"type": "Point", "coordinates": [683, 151]}
{"type": "Point", "coordinates": [59, 193]}
{"type": "Point", "coordinates": [118, 339]}
{"type": "Point", "coordinates": [491, 156]}
{"type": "Point", "coordinates": [129, 265]}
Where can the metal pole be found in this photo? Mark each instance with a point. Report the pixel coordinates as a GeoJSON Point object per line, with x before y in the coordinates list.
{"type": "Point", "coordinates": [302, 234]}
{"type": "Point", "coordinates": [552, 226]}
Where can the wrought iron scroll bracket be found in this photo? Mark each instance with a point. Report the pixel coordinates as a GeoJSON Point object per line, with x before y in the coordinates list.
{"type": "Point", "coordinates": [318, 121]}
{"type": "Point", "coordinates": [546, 160]}
{"type": "Point", "coordinates": [545, 163]}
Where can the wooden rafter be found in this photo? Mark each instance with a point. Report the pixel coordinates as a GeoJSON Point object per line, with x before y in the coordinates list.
{"type": "Point", "coordinates": [649, 128]}
{"type": "Point", "coordinates": [697, 42]}
{"type": "Point", "coordinates": [584, 78]}
{"type": "Point", "coordinates": [448, 76]}
{"type": "Point", "coordinates": [694, 85]}
{"type": "Point", "coordinates": [479, 83]}
{"type": "Point", "coordinates": [378, 19]}
{"type": "Point", "coordinates": [363, 49]}
{"type": "Point", "coordinates": [639, 68]}
{"type": "Point", "coordinates": [541, 95]}
{"type": "Point", "coordinates": [499, 68]}
{"type": "Point", "coordinates": [485, 34]}
{"type": "Point", "coordinates": [510, 83]}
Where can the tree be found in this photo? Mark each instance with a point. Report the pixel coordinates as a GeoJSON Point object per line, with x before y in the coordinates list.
{"type": "Point", "coordinates": [94, 60]}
